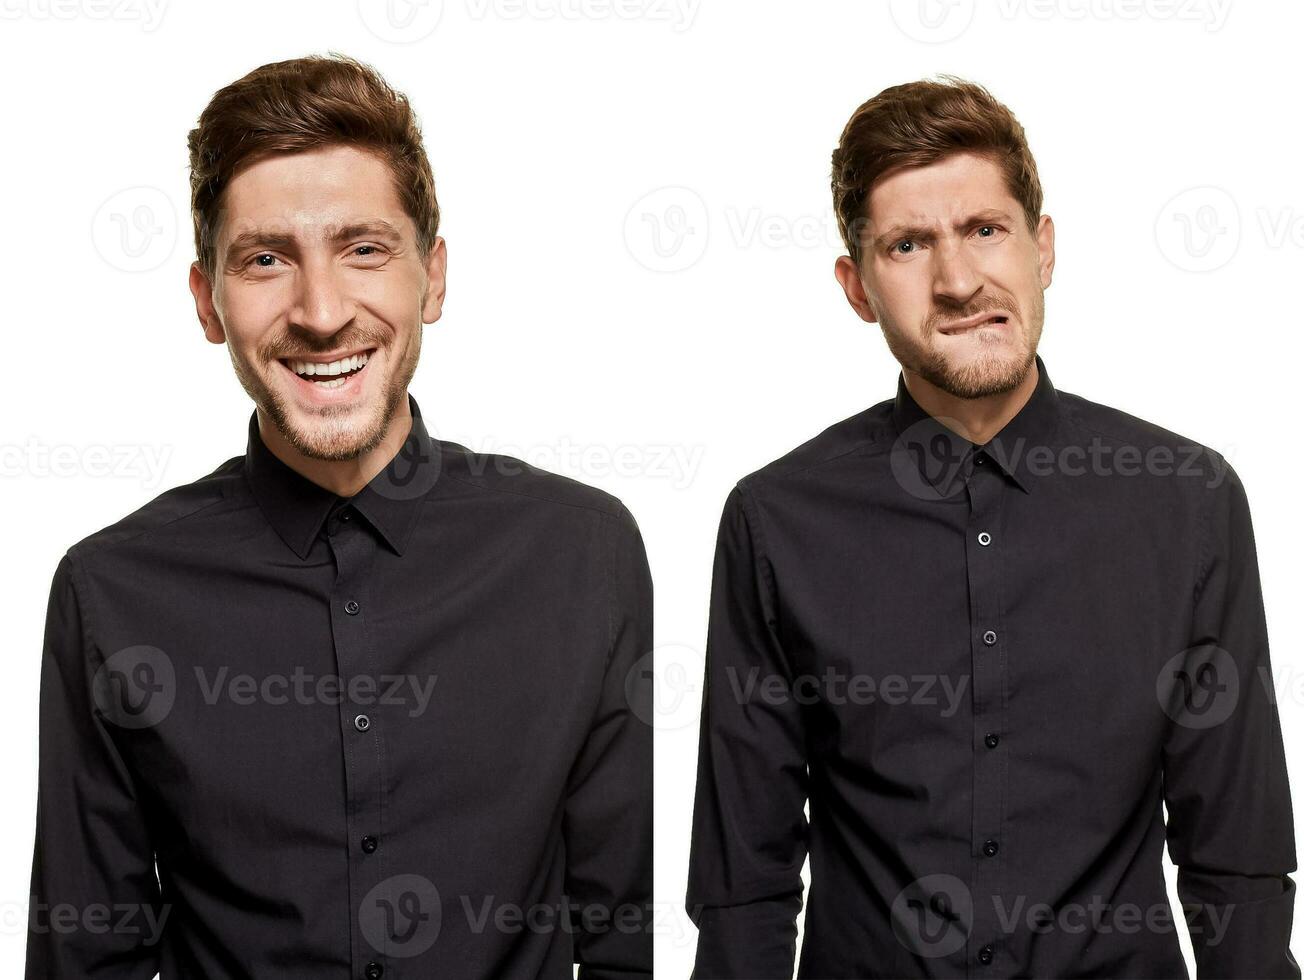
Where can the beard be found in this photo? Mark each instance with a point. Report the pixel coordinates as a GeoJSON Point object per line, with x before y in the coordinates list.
{"type": "Point", "coordinates": [989, 365]}
{"type": "Point", "coordinates": [332, 434]}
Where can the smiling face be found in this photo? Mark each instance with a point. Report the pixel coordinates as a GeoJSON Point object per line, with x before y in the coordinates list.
{"type": "Point", "coordinates": [952, 274]}
{"type": "Point", "coordinates": [320, 294]}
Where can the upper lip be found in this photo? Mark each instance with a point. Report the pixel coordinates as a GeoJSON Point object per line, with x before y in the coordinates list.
{"type": "Point", "coordinates": [974, 320]}
{"type": "Point", "coordinates": [328, 358]}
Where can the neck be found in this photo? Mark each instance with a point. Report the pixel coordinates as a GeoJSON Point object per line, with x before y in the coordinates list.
{"type": "Point", "coordinates": [979, 418]}
{"type": "Point", "coordinates": [343, 477]}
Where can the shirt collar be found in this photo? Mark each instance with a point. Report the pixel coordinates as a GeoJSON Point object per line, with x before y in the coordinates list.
{"type": "Point", "coordinates": [296, 507]}
{"type": "Point", "coordinates": [945, 456]}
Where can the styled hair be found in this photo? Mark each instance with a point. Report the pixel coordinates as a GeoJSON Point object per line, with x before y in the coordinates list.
{"type": "Point", "coordinates": [305, 104]}
{"type": "Point", "coordinates": [919, 123]}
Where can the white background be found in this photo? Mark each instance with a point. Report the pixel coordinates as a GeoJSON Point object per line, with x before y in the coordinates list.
{"type": "Point", "coordinates": [641, 242]}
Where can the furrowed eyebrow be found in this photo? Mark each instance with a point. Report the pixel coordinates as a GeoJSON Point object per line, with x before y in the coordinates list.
{"type": "Point", "coordinates": [899, 232]}
{"type": "Point", "coordinates": [363, 229]}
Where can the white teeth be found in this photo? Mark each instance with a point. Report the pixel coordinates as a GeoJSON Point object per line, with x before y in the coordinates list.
{"type": "Point", "coordinates": [310, 368]}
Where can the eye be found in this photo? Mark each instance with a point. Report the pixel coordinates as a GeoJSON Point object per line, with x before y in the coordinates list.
{"type": "Point", "coordinates": [261, 255]}
{"type": "Point", "coordinates": [898, 245]}
{"type": "Point", "coordinates": [996, 232]}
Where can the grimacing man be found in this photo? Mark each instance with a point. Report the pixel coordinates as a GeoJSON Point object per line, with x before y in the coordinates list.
{"type": "Point", "coordinates": [1030, 621]}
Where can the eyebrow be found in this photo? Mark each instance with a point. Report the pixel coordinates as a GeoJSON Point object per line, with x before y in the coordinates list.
{"type": "Point", "coordinates": [901, 230]}
{"type": "Point", "coordinates": [377, 228]}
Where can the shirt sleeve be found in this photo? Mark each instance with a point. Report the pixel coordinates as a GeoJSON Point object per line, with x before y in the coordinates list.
{"type": "Point", "coordinates": [608, 819]}
{"type": "Point", "coordinates": [95, 903]}
{"type": "Point", "coordinates": [1230, 826]}
{"type": "Point", "coordinates": [749, 822]}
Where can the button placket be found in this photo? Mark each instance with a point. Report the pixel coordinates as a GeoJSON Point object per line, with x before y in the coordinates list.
{"type": "Point", "coordinates": [353, 549]}
{"type": "Point", "coordinates": [985, 492]}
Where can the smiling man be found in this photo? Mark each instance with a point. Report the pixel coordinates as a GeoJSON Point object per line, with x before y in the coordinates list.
{"type": "Point", "coordinates": [358, 703]}
{"type": "Point", "coordinates": [1084, 580]}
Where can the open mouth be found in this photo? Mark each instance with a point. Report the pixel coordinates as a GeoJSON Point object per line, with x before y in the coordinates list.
{"type": "Point", "coordinates": [336, 374]}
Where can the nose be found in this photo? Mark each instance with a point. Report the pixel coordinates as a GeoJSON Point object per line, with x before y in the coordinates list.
{"type": "Point", "coordinates": [955, 279]}
{"type": "Point", "coordinates": [321, 304]}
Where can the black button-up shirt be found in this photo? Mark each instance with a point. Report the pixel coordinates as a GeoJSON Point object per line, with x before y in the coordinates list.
{"type": "Point", "coordinates": [402, 734]}
{"type": "Point", "coordinates": [987, 669]}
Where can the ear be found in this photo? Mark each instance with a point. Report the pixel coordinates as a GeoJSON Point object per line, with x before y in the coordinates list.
{"type": "Point", "coordinates": [1045, 249]}
{"type": "Point", "coordinates": [432, 305]}
{"type": "Point", "coordinates": [202, 290]}
{"type": "Point", "coordinates": [847, 273]}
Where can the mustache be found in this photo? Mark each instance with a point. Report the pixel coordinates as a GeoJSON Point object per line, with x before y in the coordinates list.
{"type": "Point", "coordinates": [286, 349]}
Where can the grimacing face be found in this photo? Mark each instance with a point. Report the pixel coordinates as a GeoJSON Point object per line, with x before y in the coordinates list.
{"type": "Point", "coordinates": [316, 261]}
{"type": "Point", "coordinates": [942, 244]}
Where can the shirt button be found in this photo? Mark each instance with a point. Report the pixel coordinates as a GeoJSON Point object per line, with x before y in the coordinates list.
{"type": "Point", "coordinates": [351, 607]}
{"type": "Point", "coordinates": [346, 516]}
{"type": "Point", "coordinates": [980, 459]}
{"type": "Point", "coordinates": [990, 848]}
{"type": "Point", "coordinates": [362, 723]}
{"type": "Point", "coordinates": [985, 955]}
{"type": "Point", "coordinates": [375, 971]}
{"type": "Point", "coordinates": [984, 538]}
{"type": "Point", "coordinates": [369, 844]}
{"type": "Point", "coordinates": [992, 740]}
{"type": "Point", "coordinates": [989, 637]}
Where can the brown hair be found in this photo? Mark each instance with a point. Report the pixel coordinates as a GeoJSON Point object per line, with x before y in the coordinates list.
{"type": "Point", "coordinates": [918, 123]}
{"type": "Point", "coordinates": [304, 104]}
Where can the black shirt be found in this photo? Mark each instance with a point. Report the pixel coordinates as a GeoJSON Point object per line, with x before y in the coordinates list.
{"type": "Point", "coordinates": [987, 669]}
{"type": "Point", "coordinates": [402, 734]}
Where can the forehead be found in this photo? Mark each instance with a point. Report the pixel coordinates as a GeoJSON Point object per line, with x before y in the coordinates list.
{"type": "Point", "coordinates": [307, 194]}
{"type": "Point", "coordinates": [956, 185]}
